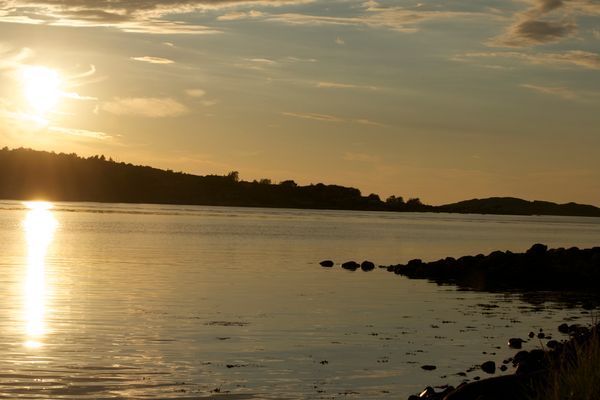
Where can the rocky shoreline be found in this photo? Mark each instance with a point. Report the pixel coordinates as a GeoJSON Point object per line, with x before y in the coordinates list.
{"type": "Point", "coordinates": [536, 370]}
{"type": "Point", "coordinates": [539, 268]}
{"type": "Point", "coordinates": [558, 272]}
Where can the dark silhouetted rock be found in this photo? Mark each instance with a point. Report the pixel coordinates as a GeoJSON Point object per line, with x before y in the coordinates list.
{"type": "Point", "coordinates": [531, 335]}
{"type": "Point", "coordinates": [367, 266]}
{"type": "Point", "coordinates": [428, 367]}
{"type": "Point", "coordinates": [563, 328]}
{"type": "Point", "coordinates": [503, 368]}
{"type": "Point", "coordinates": [538, 249]}
{"type": "Point", "coordinates": [327, 263]}
{"type": "Point", "coordinates": [515, 343]}
{"type": "Point", "coordinates": [489, 367]}
{"type": "Point", "coordinates": [351, 265]}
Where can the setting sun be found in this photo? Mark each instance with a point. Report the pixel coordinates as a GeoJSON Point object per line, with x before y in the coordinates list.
{"type": "Point", "coordinates": [41, 88]}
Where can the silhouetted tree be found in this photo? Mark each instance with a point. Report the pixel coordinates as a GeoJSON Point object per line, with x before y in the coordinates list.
{"type": "Point", "coordinates": [234, 176]}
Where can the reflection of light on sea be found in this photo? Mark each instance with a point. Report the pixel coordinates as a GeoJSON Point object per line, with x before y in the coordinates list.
{"type": "Point", "coordinates": [39, 225]}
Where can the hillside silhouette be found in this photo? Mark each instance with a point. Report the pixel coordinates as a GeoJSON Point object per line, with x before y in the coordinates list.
{"type": "Point", "coordinates": [30, 174]}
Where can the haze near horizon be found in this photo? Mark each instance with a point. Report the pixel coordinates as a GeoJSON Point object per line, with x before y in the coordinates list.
{"type": "Point", "coordinates": [442, 101]}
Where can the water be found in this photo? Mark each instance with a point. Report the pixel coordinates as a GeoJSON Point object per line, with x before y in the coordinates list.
{"type": "Point", "coordinates": [151, 301]}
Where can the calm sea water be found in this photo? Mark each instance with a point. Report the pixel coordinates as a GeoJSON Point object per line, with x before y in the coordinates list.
{"type": "Point", "coordinates": [148, 301]}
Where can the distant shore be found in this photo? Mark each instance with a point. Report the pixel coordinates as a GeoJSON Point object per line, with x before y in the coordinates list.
{"type": "Point", "coordinates": [30, 174]}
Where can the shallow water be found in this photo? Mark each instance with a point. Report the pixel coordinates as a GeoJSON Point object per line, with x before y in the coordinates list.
{"type": "Point", "coordinates": [152, 301]}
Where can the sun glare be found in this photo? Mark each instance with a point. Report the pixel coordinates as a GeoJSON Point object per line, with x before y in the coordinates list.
{"type": "Point", "coordinates": [41, 88]}
{"type": "Point", "coordinates": [39, 227]}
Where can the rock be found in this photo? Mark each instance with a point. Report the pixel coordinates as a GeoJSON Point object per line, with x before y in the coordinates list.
{"type": "Point", "coordinates": [489, 367]}
{"type": "Point", "coordinates": [503, 368]}
{"type": "Point", "coordinates": [515, 343]}
{"type": "Point", "coordinates": [326, 263]}
{"type": "Point", "coordinates": [541, 335]}
{"type": "Point", "coordinates": [350, 265]}
{"type": "Point", "coordinates": [563, 328]}
{"type": "Point", "coordinates": [506, 387]}
{"type": "Point", "coordinates": [538, 249]}
{"type": "Point", "coordinates": [367, 266]}
{"type": "Point", "coordinates": [428, 392]}
{"type": "Point", "coordinates": [553, 344]}
{"type": "Point", "coordinates": [428, 367]}
{"type": "Point", "coordinates": [531, 335]}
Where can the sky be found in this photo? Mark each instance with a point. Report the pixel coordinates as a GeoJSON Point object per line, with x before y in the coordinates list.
{"type": "Point", "coordinates": [441, 100]}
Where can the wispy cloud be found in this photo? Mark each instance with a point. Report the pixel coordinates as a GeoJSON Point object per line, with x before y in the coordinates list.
{"type": "Point", "coordinates": [340, 85]}
{"type": "Point", "coordinates": [239, 15]}
{"type": "Point", "coordinates": [332, 119]}
{"type": "Point", "coordinates": [81, 133]}
{"type": "Point", "coordinates": [558, 91]}
{"type": "Point", "coordinates": [142, 16]}
{"type": "Point", "coordinates": [151, 107]}
{"type": "Point", "coordinates": [153, 60]}
{"type": "Point", "coordinates": [375, 15]}
{"type": "Point", "coordinates": [195, 93]}
{"type": "Point", "coordinates": [567, 59]}
{"type": "Point", "coordinates": [11, 58]}
{"type": "Point", "coordinates": [314, 116]}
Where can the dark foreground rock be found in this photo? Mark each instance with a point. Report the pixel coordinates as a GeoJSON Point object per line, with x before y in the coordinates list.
{"type": "Point", "coordinates": [537, 269]}
{"type": "Point", "coordinates": [326, 263]}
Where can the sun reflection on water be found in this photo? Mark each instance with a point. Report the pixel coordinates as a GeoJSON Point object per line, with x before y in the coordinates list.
{"type": "Point", "coordinates": [39, 225]}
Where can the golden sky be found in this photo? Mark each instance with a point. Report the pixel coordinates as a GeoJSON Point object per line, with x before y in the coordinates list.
{"type": "Point", "coordinates": [439, 100]}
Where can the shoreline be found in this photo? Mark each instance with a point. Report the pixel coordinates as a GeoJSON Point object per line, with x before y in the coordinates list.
{"type": "Point", "coordinates": [546, 373]}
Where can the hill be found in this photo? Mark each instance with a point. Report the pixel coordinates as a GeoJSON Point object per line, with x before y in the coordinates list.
{"type": "Point", "coordinates": [31, 174]}
{"type": "Point", "coordinates": [514, 206]}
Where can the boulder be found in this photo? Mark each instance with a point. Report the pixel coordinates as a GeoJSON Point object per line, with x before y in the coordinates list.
{"type": "Point", "coordinates": [489, 367]}
{"type": "Point", "coordinates": [367, 266]}
{"type": "Point", "coordinates": [351, 265]}
{"type": "Point", "coordinates": [515, 343]}
{"type": "Point", "coordinates": [326, 263]}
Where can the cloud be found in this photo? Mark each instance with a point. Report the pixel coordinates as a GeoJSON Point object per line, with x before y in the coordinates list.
{"type": "Point", "coordinates": [332, 118]}
{"type": "Point", "coordinates": [559, 91]}
{"type": "Point", "coordinates": [235, 16]}
{"type": "Point", "coordinates": [77, 96]}
{"type": "Point", "coordinates": [364, 121]}
{"type": "Point", "coordinates": [339, 85]}
{"type": "Point", "coordinates": [572, 58]}
{"type": "Point", "coordinates": [11, 58]}
{"type": "Point", "coordinates": [195, 92]}
{"type": "Point", "coordinates": [151, 107]}
{"type": "Point", "coordinates": [142, 16]}
{"type": "Point", "coordinates": [375, 15]}
{"type": "Point", "coordinates": [81, 133]}
{"type": "Point", "coordinates": [153, 60]}
{"type": "Point", "coordinates": [314, 116]}
{"type": "Point", "coordinates": [545, 21]}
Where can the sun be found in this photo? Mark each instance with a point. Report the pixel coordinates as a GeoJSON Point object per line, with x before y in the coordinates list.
{"type": "Point", "coordinates": [41, 88]}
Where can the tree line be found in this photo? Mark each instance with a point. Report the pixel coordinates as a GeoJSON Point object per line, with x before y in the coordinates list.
{"type": "Point", "coordinates": [31, 174]}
